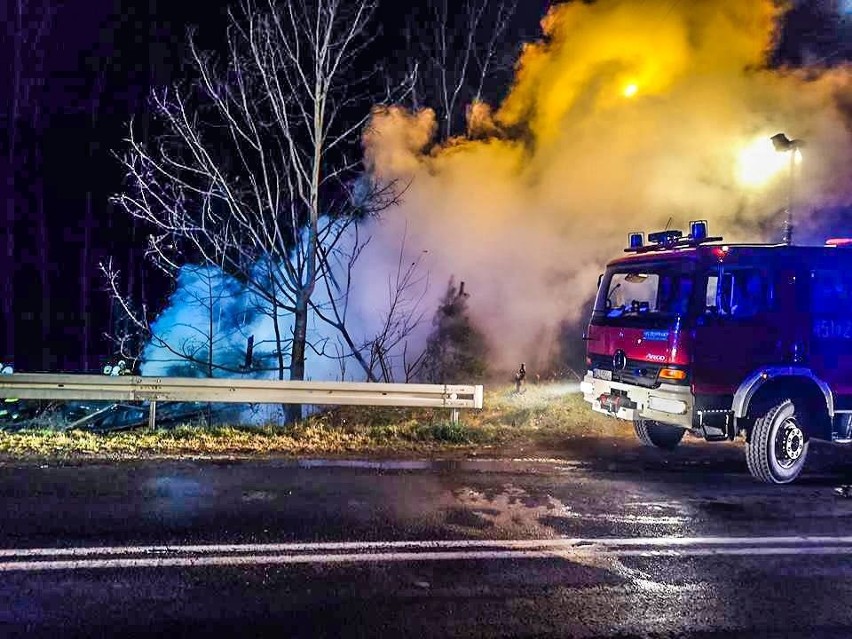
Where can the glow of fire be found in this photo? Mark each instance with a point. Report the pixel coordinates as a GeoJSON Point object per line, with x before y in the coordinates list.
{"type": "Point", "coordinates": [759, 163]}
{"type": "Point", "coordinates": [631, 90]}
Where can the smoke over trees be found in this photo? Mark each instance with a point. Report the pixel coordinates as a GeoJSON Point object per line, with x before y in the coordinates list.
{"type": "Point", "coordinates": [456, 51]}
{"type": "Point", "coordinates": [256, 169]}
{"type": "Point", "coordinates": [621, 114]}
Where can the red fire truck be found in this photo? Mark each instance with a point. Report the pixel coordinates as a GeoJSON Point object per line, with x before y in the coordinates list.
{"type": "Point", "coordinates": [691, 334]}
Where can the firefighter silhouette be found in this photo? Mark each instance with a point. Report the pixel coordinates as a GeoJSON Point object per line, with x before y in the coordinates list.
{"type": "Point", "coordinates": [520, 376]}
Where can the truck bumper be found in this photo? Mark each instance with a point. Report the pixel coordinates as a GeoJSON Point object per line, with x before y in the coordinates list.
{"type": "Point", "coordinates": [668, 404]}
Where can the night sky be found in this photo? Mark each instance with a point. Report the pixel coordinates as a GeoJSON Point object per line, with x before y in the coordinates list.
{"type": "Point", "coordinates": [85, 67]}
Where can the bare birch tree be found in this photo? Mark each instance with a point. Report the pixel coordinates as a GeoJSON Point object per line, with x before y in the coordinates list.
{"type": "Point", "coordinates": [258, 166]}
{"type": "Point", "coordinates": [458, 48]}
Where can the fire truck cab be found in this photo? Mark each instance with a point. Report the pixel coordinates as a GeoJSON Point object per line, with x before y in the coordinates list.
{"type": "Point", "coordinates": [691, 334]}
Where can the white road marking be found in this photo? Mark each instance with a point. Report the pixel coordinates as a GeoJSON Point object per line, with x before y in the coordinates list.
{"type": "Point", "coordinates": [555, 543]}
{"type": "Point", "coordinates": [37, 559]}
{"type": "Point", "coordinates": [475, 555]}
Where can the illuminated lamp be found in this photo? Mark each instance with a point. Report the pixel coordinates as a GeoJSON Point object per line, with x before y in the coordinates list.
{"type": "Point", "coordinates": [635, 240]}
{"type": "Point", "coordinates": [698, 230]}
{"type": "Point", "coordinates": [672, 374]}
{"type": "Point", "coordinates": [720, 252]}
{"type": "Point", "coordinates": [839, 241]}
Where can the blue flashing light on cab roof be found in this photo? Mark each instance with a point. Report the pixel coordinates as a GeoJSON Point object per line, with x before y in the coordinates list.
{"type": "Point", "coordinates": [671, 239]}
{"type": "Point", "coordinates": [698, 230]}
{"type": "Point", "coordinates": [636, 240]}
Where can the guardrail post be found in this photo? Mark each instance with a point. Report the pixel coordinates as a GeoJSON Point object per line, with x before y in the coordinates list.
{"type": "Point", "coordinates": [152, 414]}
{"type": "Point", "coordinates": [454, 415]}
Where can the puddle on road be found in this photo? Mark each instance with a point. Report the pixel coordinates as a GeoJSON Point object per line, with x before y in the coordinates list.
{"type": "Point", "coordinates": [646, 520]}
{"type": "Point", "coordinates": [514, 509]}
{"type": "Point", "coordinates": [366, 464]}
{"type": "Point", "coordinates": [176, 498]}
{"type": "Point", "coordinates": [516, 513]}
{"type": "Point", "coordinates": [456, 465]}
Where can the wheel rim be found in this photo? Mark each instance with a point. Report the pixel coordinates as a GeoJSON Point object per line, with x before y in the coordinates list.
{"type": "Point", "coordinates": [789, 443]}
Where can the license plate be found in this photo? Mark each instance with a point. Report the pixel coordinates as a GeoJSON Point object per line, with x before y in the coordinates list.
{"type": "Point", "coordinates": [599, 373]}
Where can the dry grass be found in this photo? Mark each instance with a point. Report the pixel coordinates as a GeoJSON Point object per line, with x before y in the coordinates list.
{"type": "Point", "coordinates": [541, 415]}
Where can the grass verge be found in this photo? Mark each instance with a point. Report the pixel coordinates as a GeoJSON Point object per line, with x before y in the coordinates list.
{"type": "Point", "coordinates": [540, 416]}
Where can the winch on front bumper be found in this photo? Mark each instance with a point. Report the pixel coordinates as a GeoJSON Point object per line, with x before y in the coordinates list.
{"type": "Point", "coordinates": [668, 403]}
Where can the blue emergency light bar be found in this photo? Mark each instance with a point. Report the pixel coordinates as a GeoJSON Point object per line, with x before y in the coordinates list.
{"type": "Point", "coordinates": [670, 239]}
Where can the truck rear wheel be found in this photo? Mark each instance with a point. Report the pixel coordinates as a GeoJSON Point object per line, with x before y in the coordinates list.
{"type": "Point", "coordinates": [777, 446]}
{"type": "Point", "coordinates": [653, 433]}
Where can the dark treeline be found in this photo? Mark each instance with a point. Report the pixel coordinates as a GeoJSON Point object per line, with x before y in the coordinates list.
{"type": "Point", "coordinates": [76, 72]}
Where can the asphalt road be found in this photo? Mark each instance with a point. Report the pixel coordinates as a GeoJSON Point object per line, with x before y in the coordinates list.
{"type": "Point", "coordinates": [602, 538]}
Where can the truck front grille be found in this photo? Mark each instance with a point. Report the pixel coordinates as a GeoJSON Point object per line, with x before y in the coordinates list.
{"type": "Point", "coordinates": [636, 372]}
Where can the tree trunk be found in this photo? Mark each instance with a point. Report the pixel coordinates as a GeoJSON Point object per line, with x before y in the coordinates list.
{"type": "Point", "coordinates": [9, 268]}
{"type": "Point", "coordinates": [88, 226]}
{"type": "Point", "coordinates": [210, 326]}
{"type": "Point", "coordinates": [48, 357]}
{"type": "Point", "coordinates": [297, 352]}
{"type": "Point", "coordinates": [85, 293]}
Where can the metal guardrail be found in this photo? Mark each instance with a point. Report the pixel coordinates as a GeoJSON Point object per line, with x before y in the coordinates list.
{"type": "Point", "coordinates": [240, 391]}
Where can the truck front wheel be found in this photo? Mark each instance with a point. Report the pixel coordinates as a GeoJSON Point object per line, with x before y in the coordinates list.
{"type": "Point", "coordinates": [653, 433]}
{"type": "Point", "coordinates": [777, 446]}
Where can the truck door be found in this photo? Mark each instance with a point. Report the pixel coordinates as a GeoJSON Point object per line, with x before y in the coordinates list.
{"type": "Point", "coordinates": [736, 328]}
{"type": "Point", "coordinates": [830, 355]}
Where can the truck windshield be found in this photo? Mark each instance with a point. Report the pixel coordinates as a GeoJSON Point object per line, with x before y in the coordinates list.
{"type": "Point", "coordinates": [644, 291]}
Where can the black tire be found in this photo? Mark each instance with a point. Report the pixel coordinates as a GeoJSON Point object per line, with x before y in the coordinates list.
{"type": "Point", "coordinates": [777, 446]}
{"type": "Point", "coordinates": [653, 433]}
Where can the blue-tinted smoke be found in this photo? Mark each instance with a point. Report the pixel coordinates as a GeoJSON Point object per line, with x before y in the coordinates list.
{"type": "Point", "coordinates": [212, 310]}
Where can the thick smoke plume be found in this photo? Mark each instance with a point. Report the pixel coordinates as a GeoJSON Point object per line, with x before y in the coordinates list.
{"type": "Point", "coordinates": [627, 113]}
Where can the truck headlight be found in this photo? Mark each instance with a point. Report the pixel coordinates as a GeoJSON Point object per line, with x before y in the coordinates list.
{"type": "Point", "coordinates": [672, 406]}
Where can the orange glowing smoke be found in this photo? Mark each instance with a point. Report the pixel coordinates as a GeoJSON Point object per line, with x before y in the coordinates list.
{"type": "Point", "coordinates": [623, 115]}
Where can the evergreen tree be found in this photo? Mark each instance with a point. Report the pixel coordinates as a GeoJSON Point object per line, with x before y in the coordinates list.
{"type": "Point", "coordinates": [456, 351]}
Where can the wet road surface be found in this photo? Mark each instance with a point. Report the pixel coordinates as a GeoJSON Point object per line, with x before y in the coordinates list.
{"type": "Point", "coordinates": [601, 538]}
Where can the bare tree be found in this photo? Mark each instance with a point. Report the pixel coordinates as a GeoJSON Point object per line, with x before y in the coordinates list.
{"type": "Point", "coordinates": [458, 48]}
{"type": "Point", "coordinates": [386, 351]}
{"type": "Point", "coordinates": [259, 161]}
{"type": "Point", "coordinates": [406, 289]}
{"type": "Point", "coordinates": [208, 347]}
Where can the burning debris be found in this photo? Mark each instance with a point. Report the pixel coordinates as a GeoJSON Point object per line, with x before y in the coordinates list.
{"type": "Point", "coordinates": [96, 416]}
{"type": "Point", "coordinates": [99, 417]}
